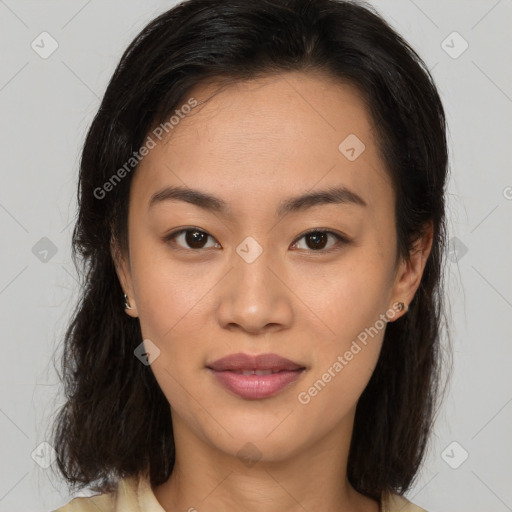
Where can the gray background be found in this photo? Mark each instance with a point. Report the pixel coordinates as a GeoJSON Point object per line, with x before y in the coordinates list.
{"type": "Point", "coordinates": [46, 107]}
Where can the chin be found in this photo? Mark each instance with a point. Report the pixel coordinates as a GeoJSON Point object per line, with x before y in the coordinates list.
{"type": "Point", "coordinates": [259, 436]}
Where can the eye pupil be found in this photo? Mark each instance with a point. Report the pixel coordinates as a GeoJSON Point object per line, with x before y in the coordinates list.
{"type": "Point", "coordinates": [193, 238]}
{"type": "Point", "coordinates": [317, 237]}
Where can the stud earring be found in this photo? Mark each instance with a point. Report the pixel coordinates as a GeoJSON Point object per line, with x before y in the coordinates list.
{"type": "Point", "coordinates": [402, 307]}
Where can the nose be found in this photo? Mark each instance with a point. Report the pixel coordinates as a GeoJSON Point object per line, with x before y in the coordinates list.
{"type": "Point", "coordinates": [256, 297]}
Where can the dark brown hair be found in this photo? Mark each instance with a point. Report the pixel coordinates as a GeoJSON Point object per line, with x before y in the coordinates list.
{"type": "Point", "coordinates": [116, 420]}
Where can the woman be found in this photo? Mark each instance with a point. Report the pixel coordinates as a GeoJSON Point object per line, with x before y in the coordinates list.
{"type": "Point", "coordinates": [261, 222]}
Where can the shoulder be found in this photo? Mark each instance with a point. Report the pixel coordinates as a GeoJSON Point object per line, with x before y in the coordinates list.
{"type": "Point", "coordinates": [133, 494]}
{"type": "Point", "coordinates": [122, 498]}
{"type": "Point", "coordinates": [103, 502]}
{"type": "Point", "coordinates": [393, 502]}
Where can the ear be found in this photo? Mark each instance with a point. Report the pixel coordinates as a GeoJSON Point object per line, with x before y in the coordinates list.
{"type": "Point", "coordinates": [123, 272]}
{"type": "Point", "coordinates": [409, 273]}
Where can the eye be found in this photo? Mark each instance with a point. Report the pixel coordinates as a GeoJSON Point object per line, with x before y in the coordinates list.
{"type": "Point", "coordinates": [317, 239]}
{"type": "Point", "coordinates": [196, 239]}
{"type": "Point", "coordinates": [190, 238]}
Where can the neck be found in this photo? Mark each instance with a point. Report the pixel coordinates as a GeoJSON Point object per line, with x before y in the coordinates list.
{"type": "Point", "coordinates": [207, 480]}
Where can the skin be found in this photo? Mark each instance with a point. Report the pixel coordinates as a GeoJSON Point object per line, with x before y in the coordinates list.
{"type": "Point", "coordinates": [254, 144]}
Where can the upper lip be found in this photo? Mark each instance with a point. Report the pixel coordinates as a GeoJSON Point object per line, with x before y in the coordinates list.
{"type": "Point", "coordinates": [243, 361]}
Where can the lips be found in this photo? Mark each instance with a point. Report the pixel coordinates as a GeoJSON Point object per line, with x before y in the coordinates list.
{"type": "Point", "coordinates": [245, 362]}
{"type": "Point", "coordinates": [255, 377]}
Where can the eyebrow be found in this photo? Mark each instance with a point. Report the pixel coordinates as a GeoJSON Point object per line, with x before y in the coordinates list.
{"type": "Point", "coordinates": [333, 195]}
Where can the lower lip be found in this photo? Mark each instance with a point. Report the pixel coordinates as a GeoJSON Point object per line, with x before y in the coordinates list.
{"type": "Point", "coordinates": [256, 387]}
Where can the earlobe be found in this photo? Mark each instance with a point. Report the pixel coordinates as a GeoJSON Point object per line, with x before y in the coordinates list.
{"type": "Point", "coordinates": [124, 278]}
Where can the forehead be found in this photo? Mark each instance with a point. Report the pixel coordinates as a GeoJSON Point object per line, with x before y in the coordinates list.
{"type": "Point", "coordinates": [272, 135]}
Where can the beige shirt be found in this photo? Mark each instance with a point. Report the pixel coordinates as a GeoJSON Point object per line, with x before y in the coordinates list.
{"type": "Point", "coordinates": [136, 495]}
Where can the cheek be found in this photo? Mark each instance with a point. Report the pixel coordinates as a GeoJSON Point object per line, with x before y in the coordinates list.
{"type": "Point", "coordinates": [333, 390]}
{"type": "Point", "coordinates": [349, 320]}
{"type": "Point", "coordinates": [347, 298]}
{"type": "Point", "coordinates": [170, 296]}
{"type": "Point", "coordinates": [352, 309]}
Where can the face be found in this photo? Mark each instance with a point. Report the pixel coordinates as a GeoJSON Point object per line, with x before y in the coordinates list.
{"type": "Point", "coordinates": [239, 273]}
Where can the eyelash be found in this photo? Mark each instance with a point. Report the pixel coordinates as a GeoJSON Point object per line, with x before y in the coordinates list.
{"type": "Point", "coordinates": [341, 240]}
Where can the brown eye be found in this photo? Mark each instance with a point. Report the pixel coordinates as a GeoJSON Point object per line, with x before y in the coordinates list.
{"type": "Point", "coordinates": [195, 239]}
{"type": "Point", "coordinates": [317, 240]}
{"type": "Point", "coordinates": [190, 238]}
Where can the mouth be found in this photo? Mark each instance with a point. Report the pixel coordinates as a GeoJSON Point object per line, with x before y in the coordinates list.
{"type": "Point", "coordinates": [257, 372]}
{"type": "Point", "coordinates": [247, 363]}
{"type": "Point", "coordinates": [255, 377]}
